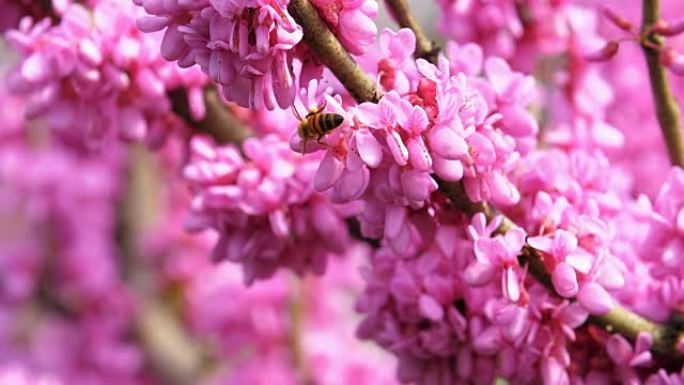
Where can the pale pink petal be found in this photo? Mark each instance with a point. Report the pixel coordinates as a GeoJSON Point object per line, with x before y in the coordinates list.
{"type": "Point", "coordinates": [479, 274]}
{"type": "Point", "coordinates": [417, 186]}
{"type": "Point", "coordinates": [369, 148]}
{"type": "Point", "coordinates": [328, 172]}
{"type": "Point", "coordinates": [419, 154]}
{"type": "Point", "coordinates": [580, 260]}
{"type": "Point", "coordinates": [542, 243]}
{"type": "Point", "coordinates": [449, 170]}
{"type": "Point", "coordinates": [511, 285]}
{"type": "Point", "coordinates": [565, 280]}
{"type": "Point", "coordinates": [430, 308]}
{"type": "Point", "coordinates": [397, 148]}
{"type": "Point", "coordinates": [446, 143]}
{"type": "Point", "coordinates": [595, 298]}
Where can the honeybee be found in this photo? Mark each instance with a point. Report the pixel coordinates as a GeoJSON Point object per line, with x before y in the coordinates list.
{"type": "Point", "coordinates": [316, 124]}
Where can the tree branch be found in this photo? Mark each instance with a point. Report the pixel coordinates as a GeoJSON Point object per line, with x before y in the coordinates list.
{"type": "Point", "coordinates": [219, 122]}
{"type": "Point", "coordinates": [666, 106]}
{"type": "Point", "coordinates": [297, 312]}
{"type": "Point", "coordinates": [331, 52]}
{"type": "Point", "coordinates": [401, 12]}
{"type": "Point", "coordinates": [618, 320]}
{"type": "Point", "coordinates": [175, 357]}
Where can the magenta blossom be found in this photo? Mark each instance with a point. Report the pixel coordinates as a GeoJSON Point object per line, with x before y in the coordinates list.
{"type": "Point", "coordinates": [497, 255]}
{"type": "Point", "coordinates": [351, 21]}
{"type": "Point", "coordinates": [92, 77]}
{"type": "Point", "coordinates": [263, 206]}
{"type": "Point", "coordinates": [245, 48]}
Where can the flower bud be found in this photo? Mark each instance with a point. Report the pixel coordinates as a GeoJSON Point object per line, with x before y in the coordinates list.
{"type": "Point", "coordinates": [605, 53]}
{"type": "Point", "coordinates": [673, 60]}
{"type": "Point", "coordinates": [620, 21]}
{"type": "Point", "coordinates": [665, 28]}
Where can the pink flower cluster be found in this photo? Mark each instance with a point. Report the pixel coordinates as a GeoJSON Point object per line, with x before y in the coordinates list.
{"type": "Point", "coordinates": [251, 49]}
{"type": "Point", "coordinates": [570, 199]}
{"type": "Point", "coordinates": [465, 119]}
{"type": "Point", "coordinates": [453, 298]}
{"type": "Point", "coordinates": [64, 309]}
{"type": "Point", "coordinates": [255, 334]}
{"type": "Point", "coordinates": [263, 206]}
{"type": "Point", "coordinates": [95, 76]}
{"type": "Point", "coordinates": [461, 309]}
{"type": "Point", "coordinates": [520, 32]}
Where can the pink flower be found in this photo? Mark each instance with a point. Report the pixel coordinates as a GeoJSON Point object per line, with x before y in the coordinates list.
{"type": "Point", "coordinates": [263, 207]}
{"type": "Point", "coordinates": [628, 357]}
{"type": "Point", "coordinates": [245, 48]}
{"type": "Point", "coordinates": [395, 62]}
{"type": "Point", "coordinates": [568, 257]}
{"type": "Point", "coordinates": [497, 255]}
{"type": "Point", "coordinates": [93, 77]}
{"type": "Point", "coordinates": [351, 21]}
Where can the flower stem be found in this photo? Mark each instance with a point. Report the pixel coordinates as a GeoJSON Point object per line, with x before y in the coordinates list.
{"type": "Point", "coordinates": [330, 52]}
{"type": "Point", "coordinates": [667, 108]}
{"type": "Point", "coordinates": [400, 11]}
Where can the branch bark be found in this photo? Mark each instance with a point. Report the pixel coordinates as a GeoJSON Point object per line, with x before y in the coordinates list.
{"type": "Point", "coordinates": [330, 52]}
{"type": "Point", "coordinates": [401, 12]}
{"type": "Point", "coordinates": [618, 320]}
{"type": "Point", "coordinates": [666, 106]}
{"type": "Point", "coordinates": [175, 357]}
{"type": "Point", "coordinates": [219, 122]}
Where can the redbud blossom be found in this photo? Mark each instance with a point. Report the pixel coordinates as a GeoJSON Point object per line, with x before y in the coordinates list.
{"type": "Point", "coordinates": [618, 20]}
{"type": "Point", "coordinates": [668, 29]}
{"type": "Point", "coordinates": [673, 60]}
{"type": "Point", "coordinates": [607, 52]}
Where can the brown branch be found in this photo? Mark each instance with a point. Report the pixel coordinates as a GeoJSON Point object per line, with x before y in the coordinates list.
{"type": "Point", "coordinates": [618, 320]}
{"type": "Point", "coordinates": [667, 108]}
{"type": "Point", "coordinates": [175, 357]}
{"type": "Point", "coordinates": [297, 312]}
{"type": "Point", "coordinates": [219, 122]}
{"type": "Point", "coordinates": [331, 52]}
{"type": "Point", "coordinates": [401, 12]}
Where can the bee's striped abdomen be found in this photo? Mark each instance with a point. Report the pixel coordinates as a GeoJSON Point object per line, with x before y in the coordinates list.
{"type": "Point", "coordinates": [314, 122]}
{"type": "Point", "coordinates": [319, 124]}
{"type": "Point", "coordinates": [323, 123]}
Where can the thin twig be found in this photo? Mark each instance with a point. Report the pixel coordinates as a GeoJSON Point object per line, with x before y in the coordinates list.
{"type": "Point", "coordinates": [667, 108]}
{"type": "Point", "coordinates": [401, 12]}
{"type": "Point", "coordinates": [330, 52]}
{"type": "Point", "coordinates": [297, 310]}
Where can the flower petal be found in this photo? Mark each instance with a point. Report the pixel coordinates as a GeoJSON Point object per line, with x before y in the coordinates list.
{"type": "Point", "coordinates": [595, 298]}
{"type": "Point", "coordinates": [369, 148]}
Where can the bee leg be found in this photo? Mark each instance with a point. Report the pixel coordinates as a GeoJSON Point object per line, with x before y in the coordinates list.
{"type": "Point", "coordinates": [304, 147]}
{"type": "Point", "coordinates": [319, 140]}
{"type": "Point", "coordinates": [296, 113]}
{"type": "Point", "coordinates": [318, 110]}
